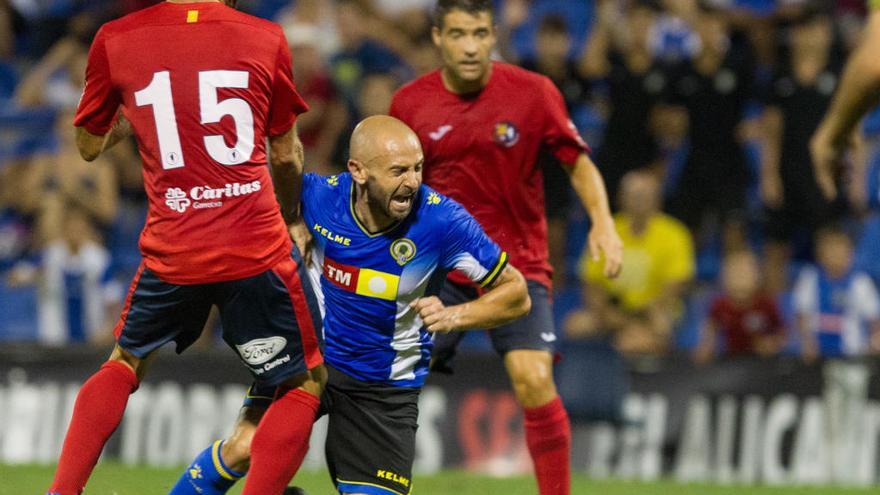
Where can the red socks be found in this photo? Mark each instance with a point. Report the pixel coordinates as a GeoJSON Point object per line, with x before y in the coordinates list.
{"type": "Point", "coordinates": [96, 414]}
{"type": "Point", "coordinates": [548, 436]}
{"type": "Point", "coordinates": [281, 442]}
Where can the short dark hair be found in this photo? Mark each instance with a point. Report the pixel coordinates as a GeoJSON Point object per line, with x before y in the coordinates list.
{"type": "Point", "coordinates": [832, 230]}
{"type": "Point", "coordinates": [553, 24]}
{"type": "Point", "coordinates": [472, 7]}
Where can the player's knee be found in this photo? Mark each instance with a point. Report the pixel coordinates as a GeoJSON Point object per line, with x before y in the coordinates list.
{"type": "Point", "coordinates": [137, 365]}
{"type": "Point", "coordinates": [533, 390]}
{"type": "Point", "coordinates": [532, 380]}
{"type": "Point", "coordinates": [236, 451]}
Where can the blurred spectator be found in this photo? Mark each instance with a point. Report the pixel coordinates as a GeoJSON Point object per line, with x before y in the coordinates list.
{"type": "Point", "coordinates": [7, 32]}
{"type": "Point", "coordinates": [373, 98]}
{"type": "Point", "coordinates": [16, 207]}
{"type": "Point", "coordinates": [360, 55]}
{"type": "Point", "coordinates": [673, 39]}
{"type": "Point", "coordinates": [800, 95]}
{"type": "Point", "coordinates": [747, 320]}
{"type": "Point", "coordinates": [316, 17]}
{"type": "Point", "coordinates": [714, 87]}
{"type": "Point", "coordinates": [64, 180]}
{"type": "Point", "coordinates": [374, 95]}
{"type": "Point", "coordinates": [72, 300]}
{"type": "Point", "coordinates": [867, 255]}
{"type": "Point", "coordinates": [837, 307]}
{"type": "Point", "coordinates": [57, 80]}
{"type": "Point", "coordinates": [553, 44]}
{"type": "Point", "coordinates": [640, 307]}
{"type": "Point", "coordinates": [635, 83]}
{"type": "Point", "coordinates": [424, 56]}
{"type": "Point", "coordinates": [319, 128]}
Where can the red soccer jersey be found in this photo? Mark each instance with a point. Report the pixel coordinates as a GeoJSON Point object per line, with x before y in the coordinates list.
{"type": "Point", "coordinates": [740, 325]}
{"type": "Point", "coordinates": [482, 150]}
{"type": "Point", "coordinates": [202, 85]}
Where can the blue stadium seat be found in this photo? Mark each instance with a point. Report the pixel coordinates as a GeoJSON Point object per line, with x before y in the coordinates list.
{"type": "Point", "coordinates": [18, 313]}
{"type": "Point", "coordinates": [578, 15]}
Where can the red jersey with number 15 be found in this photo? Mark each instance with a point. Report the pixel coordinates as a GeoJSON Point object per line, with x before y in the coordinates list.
{"type": "Point", "coordinates": [482, 150]}
{"type": "Point", "coordinates": [203, 85]}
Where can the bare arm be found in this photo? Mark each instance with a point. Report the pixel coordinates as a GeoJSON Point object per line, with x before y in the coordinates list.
{"type": "Point", "coordinates": [705, 349]}
{"type": "Point", "coordinates": [858, 93]}
{"type": "Point", "coordinates": [771, 182]}
{"type": "Point", "coordinates": [286, 157]}
{"type": "Point", "coordinates": [506, 300]}
{"type": "Point", "coordinates": [603, 239]}
{"type": "Point", "coordinates": [91, 146]}
{"type": "Point", "coordinates": [31, 89]}
{"type": "Point", "coordinates": [874, 333]}
{"type": "Point", "coordinates": [594, 61]}
{"type": "Point", "coordinates": [100, 202]}
{"type": "Point", "coordinates": [286, 160]}
{"type": "Point", "coordinates": [809, 345]}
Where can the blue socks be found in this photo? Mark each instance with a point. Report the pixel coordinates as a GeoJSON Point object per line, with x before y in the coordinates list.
{"type": "Point", "coordinates": [207, 475]}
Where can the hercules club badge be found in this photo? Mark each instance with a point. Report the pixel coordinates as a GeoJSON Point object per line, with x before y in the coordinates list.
{"type": "Point", "coordinates": [403, 250]}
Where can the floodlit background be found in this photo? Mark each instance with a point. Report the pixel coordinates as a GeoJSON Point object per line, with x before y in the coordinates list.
{"type": "Point", "coordinates": [700, 363]}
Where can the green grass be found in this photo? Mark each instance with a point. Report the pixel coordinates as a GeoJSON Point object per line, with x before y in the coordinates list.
{"type": "Point", "coordinates": [113, 479]}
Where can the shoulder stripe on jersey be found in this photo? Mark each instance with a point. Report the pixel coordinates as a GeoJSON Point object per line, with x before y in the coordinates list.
{"type": "Point", "coordinates": [493, 274]}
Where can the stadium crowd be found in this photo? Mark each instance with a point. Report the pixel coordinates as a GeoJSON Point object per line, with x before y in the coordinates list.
{"type": "Point", "coordinates": [699, 115]}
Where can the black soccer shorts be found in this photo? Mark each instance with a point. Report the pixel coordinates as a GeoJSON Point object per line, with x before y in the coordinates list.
{"type": "Point", "coordinates": [371, 435]}
{"type": "Point", "coordinates": [271, 320]}
{"type": "Point", "coordinates": [535, 331]}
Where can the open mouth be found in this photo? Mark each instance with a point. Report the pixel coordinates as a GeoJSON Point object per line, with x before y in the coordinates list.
{"type": "Point", "coordinates": [402, 201]}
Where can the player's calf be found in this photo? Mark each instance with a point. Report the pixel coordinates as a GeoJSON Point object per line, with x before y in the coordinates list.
{"type": "Point", "coordinates": [97, 412]}
{"type": "Point", "coordinates": [548, 433]}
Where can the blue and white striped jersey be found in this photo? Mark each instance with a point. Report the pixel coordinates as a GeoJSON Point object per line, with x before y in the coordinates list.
{"type": "Point", "coordinates": [367, 281]}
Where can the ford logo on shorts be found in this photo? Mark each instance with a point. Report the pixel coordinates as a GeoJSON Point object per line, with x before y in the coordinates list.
{"type": "Point", "coordinates": [259, 351]}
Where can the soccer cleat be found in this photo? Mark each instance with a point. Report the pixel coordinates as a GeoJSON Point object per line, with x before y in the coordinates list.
{"type": "Point", "coordinates": [294, 490]}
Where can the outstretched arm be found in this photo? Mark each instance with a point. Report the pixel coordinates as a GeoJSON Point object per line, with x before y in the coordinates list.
{"type": "Point", "coordinates": [588, 184]}
{"type": "Point", "coordinates": [506, 300]}
{"type": "Point", "coordinates": [286, 157]}
{"type": "Point", "coordinates": [858, 93]}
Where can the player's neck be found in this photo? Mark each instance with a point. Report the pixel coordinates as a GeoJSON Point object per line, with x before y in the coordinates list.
{"type": "Point", "coordinates": [369, 214]}
{"type": "Point", "coordinates": [462, 87]}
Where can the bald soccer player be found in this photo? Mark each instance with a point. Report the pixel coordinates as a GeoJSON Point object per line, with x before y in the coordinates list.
{"type": "Point", "coordinates": [384, 243]}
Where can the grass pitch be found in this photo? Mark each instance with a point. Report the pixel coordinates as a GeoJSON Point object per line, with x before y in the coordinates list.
{"type": "Point", "coordinates": [114, 479]}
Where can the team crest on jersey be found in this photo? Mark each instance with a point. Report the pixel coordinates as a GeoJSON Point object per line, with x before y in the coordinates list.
{"type": "Point", "coordinates": [403, 250]}
{"type": "Point", "coordinates": [506, 134]}
{"type": "Point", "coordinates": [333, 180]}
{"type": "Point", "coordinates": [433, 199]}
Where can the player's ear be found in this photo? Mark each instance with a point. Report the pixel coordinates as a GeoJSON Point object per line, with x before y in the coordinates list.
{"type": "Point", "coordinates": [435, 35]}
{"type": "Point", "coordinates": [358, 171]}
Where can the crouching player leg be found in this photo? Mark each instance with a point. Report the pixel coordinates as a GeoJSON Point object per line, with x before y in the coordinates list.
{"type": "Point", "coordinates": [216, 469]}
{"type": "Point", "coordinates": [276, 437]}
{"type": "Point", "coordinates": [380, 306]}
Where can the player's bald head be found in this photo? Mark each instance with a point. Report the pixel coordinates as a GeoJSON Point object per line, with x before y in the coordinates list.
{"type": "Point", "coordinates": [382, 136]}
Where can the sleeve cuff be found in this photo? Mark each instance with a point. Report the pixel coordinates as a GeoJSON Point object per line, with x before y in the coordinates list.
{"type": "Point", "coordinates": [493, 274]}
